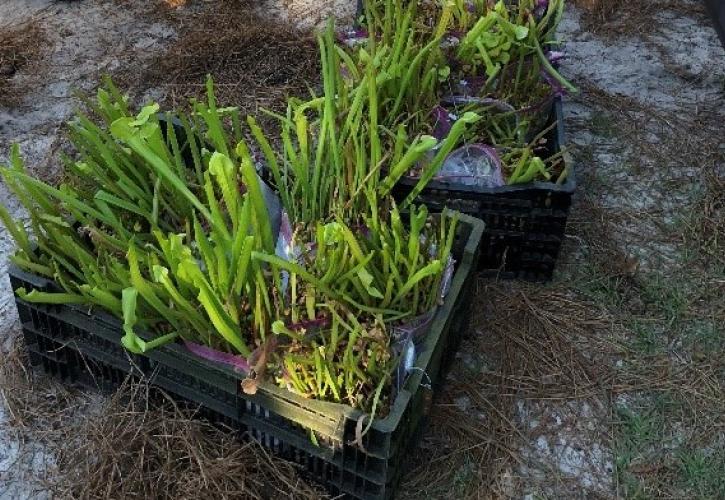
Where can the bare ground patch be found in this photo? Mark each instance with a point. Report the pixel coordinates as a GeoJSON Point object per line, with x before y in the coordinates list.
{"type": "Point", "coordinates": [80, 41]}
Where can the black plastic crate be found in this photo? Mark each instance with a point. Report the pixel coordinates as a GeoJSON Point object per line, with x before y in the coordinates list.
{"type": "Point", "coordinates": [69, 342]}
{"type": "Point", "coordinates": [82, 346]}
{"type": "Point", "coordinates": [525, 223]}
{"type": "Point", "coordinates": [717, 12]}
{"type": "Point", "coordinates": [74, 362]}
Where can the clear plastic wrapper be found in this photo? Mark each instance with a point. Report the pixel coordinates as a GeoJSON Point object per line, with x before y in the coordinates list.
{"type": "Point", "coordinates": [473, 165]}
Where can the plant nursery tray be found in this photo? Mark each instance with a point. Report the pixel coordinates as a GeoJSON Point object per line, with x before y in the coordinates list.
{"type": "Point", "coordinates": [83, 346]}
{"type": "Point", "coordinates": [525, 223]}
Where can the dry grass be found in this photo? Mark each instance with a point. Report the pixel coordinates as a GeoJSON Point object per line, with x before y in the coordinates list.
{"type": "Point", "coordinates": [599, 10]}
{"type": "Point", "coordinates": [611, 18]}
{"type": "Point", "coordinates": [32, 402]}
{"type": "Point", "coordinates": [707, 233]}
{"type": "Point", "coordinates": [21, 47]}
{"type": "Point", "coordinates": [135, 449]}
{"type": "Point", "coordinates": [136, 444]}
{"type": "Point", "coordinates": [529, 343]}
{"type": "Point", "coordinates": [255, 62]}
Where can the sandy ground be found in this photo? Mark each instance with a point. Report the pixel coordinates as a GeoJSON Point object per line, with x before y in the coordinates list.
{"type": "Point", "coordinates": [84, 40]}
{"type": "Point", "coordinates": [646, 132]}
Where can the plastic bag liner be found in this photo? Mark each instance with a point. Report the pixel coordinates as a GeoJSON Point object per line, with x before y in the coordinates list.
{"type": "Point", "coordinates": [406, 340]}
{"type": "Point", "coordinates": [408, 336]}
{"type": "Point", "coordinates": [540, 8]}
{"type": "Point", "coordinates": [274, 206]}
{"type": "Point", "coordinates": [285, 249]}
{"type": "Point", "coordinates": [472, 165]}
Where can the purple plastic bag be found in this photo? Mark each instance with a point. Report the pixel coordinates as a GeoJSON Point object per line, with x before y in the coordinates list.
{"type": "Point", "coordinates": [540, 8]}
{"type": "Point", "coordinates": [238, 363]}
{"type": "Point", "coordinates": [442, 122]}
{"type": "Point", "coordinates": [556, 87]}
